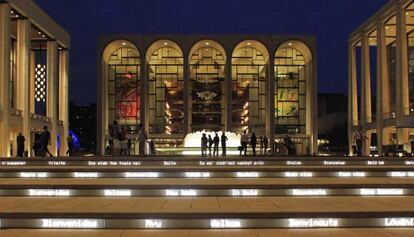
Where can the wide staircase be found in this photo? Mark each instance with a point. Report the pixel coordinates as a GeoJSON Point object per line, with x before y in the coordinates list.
{"type": "Point", "coordinates": [193, 196]}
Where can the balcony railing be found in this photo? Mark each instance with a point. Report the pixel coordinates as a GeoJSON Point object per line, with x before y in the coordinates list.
{"type": "Point", "coordinates": [40, 117]}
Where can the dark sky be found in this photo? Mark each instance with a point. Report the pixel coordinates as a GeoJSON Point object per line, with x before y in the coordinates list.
{"type": "Point", "coordinates": [331, 21]}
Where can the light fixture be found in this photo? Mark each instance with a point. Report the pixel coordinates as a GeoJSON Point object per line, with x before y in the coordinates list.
{"type": "Point", "coordinates": [248, 43]}
{"type": "Point", "coordinates": [207, 43]}
{"type": "Point", "coordinates": [165, 43]}
{"type": "Point", "coordinates": [290, 44]}
{"type": "Point", "coordinates": [123, 43]}
{"type": "Point", "coordinates": [11, 11]}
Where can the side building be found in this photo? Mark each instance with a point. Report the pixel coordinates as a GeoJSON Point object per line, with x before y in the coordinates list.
{"type": "Point", "coordinates": [381, 66]}
{"type": "Point", "coordinates": [179, 84]}
{"type": "Point", "coordinates": [34, 77]}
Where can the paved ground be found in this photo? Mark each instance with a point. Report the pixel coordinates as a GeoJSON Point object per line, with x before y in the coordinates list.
{"type": "Point", "coordinates": [212, 233]}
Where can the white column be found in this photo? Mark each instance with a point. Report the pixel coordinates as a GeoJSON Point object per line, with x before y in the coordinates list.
{"type": "Point", "coordinates": [381, 79]}
{"type": "Point", "coordinates": [352, 95]}
{"type": "Point", "coordinates": [186, 94]}
{"type": "Point", "coordinates": [270, 102]}
{"type": "Point", "coordinates": [64, 98]}
{"type": "Point", "coordinates": [366, 115]}
{"type": "Point", "coordinates": [23, 77]}
{"type": "Point", "coordinates": [402, 88]}
{"type": "Point", "coordinates": [32, 82]}
{"type": "Point", "coordinates": [52, 77]}
{"type": "Point", "coordinates": [228, 120]}
{"type": "Point", "coordinates": [4, 78]}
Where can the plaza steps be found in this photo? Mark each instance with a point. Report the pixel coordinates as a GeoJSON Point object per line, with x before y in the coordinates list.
{"type": "Point", "coordinates": [23, 213]}
{"type": "Point", "coordinates": [352, 232]}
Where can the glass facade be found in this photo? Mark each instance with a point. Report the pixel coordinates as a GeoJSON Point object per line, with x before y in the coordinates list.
{"type": "Point", "coordinates": [290, 92]}
{"type": "Point", "coordinates": [207, 89]}
{"type": "Point", "coordinates": [249, 73]}
{"type": "Point", "coordinates": [190, 84]}
{"type": "Point", "coordinates": [166, 92]}
{"type": "Point", "coordinates": [124, 88]}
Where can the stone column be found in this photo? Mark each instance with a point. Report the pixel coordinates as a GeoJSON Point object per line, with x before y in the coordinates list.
{"type": "Point", "coordinates": [366, 115]}
{"type": "Point", "coordinates": [402, 88]}
{"type": "Point", "coordinates": [64, 98]}
{"type": "Point", "coordinates": [23, 77]}
{"type": "Point", "coordinates": [187, 110]}
{"type": "Point", "coordinates": [52, 77]}
{"type": "Point", "coordinates": [32, 82]}
{"type": "Point", "coordinates": [4, 78]}
{"type": "Point", "coordinates": [270, 102]}
{"type": "Point", "coordinates": [381, 79]}
{"type": "Point", "coordinates": [228, 93]}
{"type": "Point", "coordinates": [352, 94]}
{"type": "Point", "coordinates": [144, 75]}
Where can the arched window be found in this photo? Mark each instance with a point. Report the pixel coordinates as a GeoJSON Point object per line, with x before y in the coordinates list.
{"type": "Point", "coordinates": [123, 76]}
{"type": "Point", "coordinates": [249, 73]}
{"type": "Point", "coordinates": [291, 73]}
{"type": "Point", "coordinates": [166, 94]}
{"type": "Point", "coordinates": [207, 63]}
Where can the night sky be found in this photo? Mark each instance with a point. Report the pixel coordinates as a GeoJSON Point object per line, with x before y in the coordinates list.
{"type": "Point", "coordinates": [331, 21]}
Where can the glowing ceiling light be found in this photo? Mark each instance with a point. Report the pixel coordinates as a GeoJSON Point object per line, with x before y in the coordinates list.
{"type": "Point", "coordinates": [165, 43]}
{"type": "Point", "coordinates": [248, 43]}
{"type": "Point", "coordinates": [290, 44]}
{"type": "Point", "coordinates": [207, 43]}
{"type": "Point", "coordinates": [123, 43]}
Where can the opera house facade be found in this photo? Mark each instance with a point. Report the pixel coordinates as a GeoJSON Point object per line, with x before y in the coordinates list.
{"type": "Point", "coordinates": [175, 85]}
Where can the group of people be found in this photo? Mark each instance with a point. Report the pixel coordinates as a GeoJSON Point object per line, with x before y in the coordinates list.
{"type": "Point", "coordinates": [40, 147]}
{"type": "Point", "coordinates": [120, 144]}
{"type": "Point", "coordinates": [209, 142]}
{"type": "Point", "coordinates": [245, 140]}
{"type": "Point", "coordinates": [210, 145]}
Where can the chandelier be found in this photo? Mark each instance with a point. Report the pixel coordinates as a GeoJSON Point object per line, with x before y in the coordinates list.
{"type": "Point", "coordinates": [207, 95]}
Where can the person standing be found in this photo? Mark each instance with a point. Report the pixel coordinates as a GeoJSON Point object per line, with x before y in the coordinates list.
{"type": "Point", "coordinates": [20, 145]}
{"type": "Point", "coordinates": [69, 140]}
{"type": "Point", "coordinates": [265, 144]}
{"type": "Point", "coordinates": [359, 137]}
{"type": "Point", "coordinates": [45, 142]}
{"type": "Point", "coordinates": [261, 145]}
{"type": "Point", "coordinates": [129, 146]}
{"type": "Point", "coordinates": [244, 140]}
{"type": "Point", "coordinates": [216, 144]}
{"type": "Point", "coordinates": [210, 144]}
{"type": "Point", "coordinates": [142, 137]}
{"type": "Point", "coordinates": [412, 147]}
{"type": "Point", "coordinates": [204, 141]}
{"type": "Point", "coordinates": [253, 143]}
{"type": "Point", "coordinates": [224, 143]}
{"type": "Point", "coordinates": [114, 133]}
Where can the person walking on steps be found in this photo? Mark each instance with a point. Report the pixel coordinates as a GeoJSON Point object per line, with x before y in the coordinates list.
{"type": "Point", "coordinates": [45, 141]}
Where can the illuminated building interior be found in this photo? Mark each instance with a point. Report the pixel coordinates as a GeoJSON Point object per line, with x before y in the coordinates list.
{"type": "Point", "coordinates": [179, 84]}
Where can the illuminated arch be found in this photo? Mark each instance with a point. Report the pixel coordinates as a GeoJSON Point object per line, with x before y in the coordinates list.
{"type": "Point", "coordinates": [207, 60]}
{"type": "Point", "coordinates": [166, 87]}
{"type": "Point", "coordinates": [122, 84]}
{"type": "Point", "coordinates": [292, 74]}
{"type": "Point", "coordinates": [249, 75]}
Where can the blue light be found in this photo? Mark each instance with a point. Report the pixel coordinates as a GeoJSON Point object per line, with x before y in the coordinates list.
{"type": "Point", "coordinates": [76, 144]}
